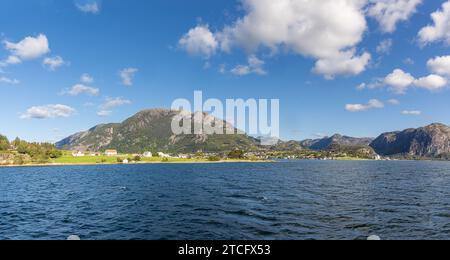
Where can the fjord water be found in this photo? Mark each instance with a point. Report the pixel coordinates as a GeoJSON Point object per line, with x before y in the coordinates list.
{"type": "Point", "coordinates": [284, 200]}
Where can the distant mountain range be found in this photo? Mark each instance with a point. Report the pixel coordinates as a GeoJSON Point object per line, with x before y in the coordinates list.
{"type": "Point", "coordinates": [327, 142]}
{"type": "Point", "coordinates": [150, 130]}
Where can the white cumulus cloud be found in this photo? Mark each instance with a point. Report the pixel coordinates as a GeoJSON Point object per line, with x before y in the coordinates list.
{"type": "Point", "coordinates": [79, 89]}
{"type": "Point", "coordinates": [394, 102]}
{"type": "Point", "coordinates": [411, 112]}
{"type": "Point", "coordinates": [48, 111]}
{"type": "Point", "coordinates": [440, 29]}
{"type": "Point", "coordinates": [114, 102]}
{"type": "Point", "coordinates": [440, 65]}
{"type": "Point", "coordinates": [93, 8]}
{"type": "Point", "coordinates": [104, 113]}
{"type": "Point", "coordinates": [86, 79]}
{"type": "Point", "coordinates": [326, 30]}
{"type": "Point", "coordinates": [389, 13]}
{"type": "Point", "coordinates": [127, 76]}
{"type": "Point", "coordinates": [12, 60]}
{"type": "Point", "coordinates": [255, 65]}
{"type": "Point", "coordinates": [199, 41]}
{"type": "Point", "coordinates": [54, 62]}
{"type": "Point", "coordinates": [431, 82]}
{"type": "Point", "coordinates": [400, 81]}
{"type": "Point", "coordinates": [29, 48]}
{"type": "Point", "coordinates": [385, 46]}
{"type": "Point", "coordinates": [345, 63]}
{"type": "Point", "coordinates": [9, 81]}
{"type": "Point", "coordinates": [372, 104]}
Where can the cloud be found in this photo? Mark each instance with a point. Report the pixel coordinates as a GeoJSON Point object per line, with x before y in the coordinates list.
{"type": "Point", "coordinates": [327, 31]}
{"type": "Point", "coordinates": [12, 60]}
{"type": "Point", "coordinates": [400, 81]}
{"type": "Point", "coordinates": [222, 68]}
{"type": "Point", "coordinates": [389, 13]}
{"type": "Point", "coordinates": [255, 66]}
{"type": "Point", "coordinates": [385, 46]}
{"type": "Point", "coordinates": [412, 113]}
{"type": "Point", "coordinates": [361, 86]}
{"type": "Point", "coordinates": [114, 102]}
{"type": "Point", "coordinates": [54, 63]}
{"type": "Point", "coordinates": [79, 89]}
{"type": "Point", "coordinates": [127, 76]}
{"type": "Point", "coordinates": [109, 104]}
{"type": "Point", "coordinates": [86, 79]}
{"type": "Point", "coordinates": [431, 82]}
{"type": "Point", "coordinates": [320, 135]}
{"type": "Point", "coordinates": [104, 113]}
{"type": "Point", "coordinates": [440, 29]}
{"type": "Point", "coordinates": [440, 65]}
{"type": "Point", "coordinates": [394, 102]}
{"type": "Point", "coordinates": [29, 48]}
{"type": "Point", "coordinates": [92, 8]}
{"type": "Point", "coordinates": [9, 81]}
{"type": "Point", "coordinates": [408, 61]}
{"type": "Point", "coordinates": [346, 63]}
{"type": "Point", "coordinates": [372, 104]}
{"type": "Point", "coordinates": [48, 111]}
{"type": "Point", "coordinates": [199, 41]}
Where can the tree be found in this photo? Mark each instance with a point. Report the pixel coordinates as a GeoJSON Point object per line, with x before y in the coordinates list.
{"type": "Point", "coordinates": [236, 154]}
{"type": "Point", "coordinates": [4, 143]}
{"type": "Point", "coordinates": [214, 159]}
{"type": "Point", "coordinates": [54, 154]}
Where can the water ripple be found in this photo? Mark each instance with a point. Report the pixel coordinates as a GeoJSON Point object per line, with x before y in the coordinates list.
{"type": "Point", "coordinates": [288, 200]}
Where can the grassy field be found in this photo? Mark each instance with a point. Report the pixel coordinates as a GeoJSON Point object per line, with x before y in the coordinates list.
{"type": "Point", "coordinates": [350, 159]}
{"type": "Point", "coordinates": [67, 158]}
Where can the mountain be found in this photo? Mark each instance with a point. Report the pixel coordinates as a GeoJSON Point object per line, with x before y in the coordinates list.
{"type": "Point", "coordinates": [150, 130]}
{"type": "Point", "coordinates": [432, 141]}
{"type": "Point", "coordinates": [288, 146]}
{"type": "Point", "coordinates": [327, 142]}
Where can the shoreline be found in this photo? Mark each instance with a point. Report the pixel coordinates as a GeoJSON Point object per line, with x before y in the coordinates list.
{"type": "Point", "coordinates": [138, 163]}
{"type": "Point", "coordinates": [186, 162]}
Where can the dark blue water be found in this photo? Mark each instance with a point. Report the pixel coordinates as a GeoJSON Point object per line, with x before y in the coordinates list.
{"type": "Point", "coordinates": [287, 200]}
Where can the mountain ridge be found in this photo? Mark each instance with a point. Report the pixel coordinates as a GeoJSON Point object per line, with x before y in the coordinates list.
{"type": "Point", "coordinates": [432, 141]}
{"type": "Point", "coordinates": [327, 142]}
{"type": "Point", "coordinates": [150, 130]}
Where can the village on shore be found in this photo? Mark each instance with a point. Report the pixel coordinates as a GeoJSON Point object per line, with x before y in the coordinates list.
{"type": "Point", "coordinates": [22, 153]}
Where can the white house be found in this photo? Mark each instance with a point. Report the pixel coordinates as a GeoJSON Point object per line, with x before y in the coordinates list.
{"type": "Point", "coordinates": [111, 153]}
{"type": "Point", "coordinates": [163, 155]}
{"type": "Point", "coordinates": [148, 155]}
{"type": "Point", "coordinates": [78, 154]}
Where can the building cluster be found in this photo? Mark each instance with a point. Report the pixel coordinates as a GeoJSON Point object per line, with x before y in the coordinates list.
{"type": "Point", "coordinates": [112, 153]}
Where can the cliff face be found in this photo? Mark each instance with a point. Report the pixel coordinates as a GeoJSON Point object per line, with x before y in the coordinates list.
{"type": "Point", "coordinates": [150, 130]}
{"type": "Point", "coordinates": [432, 141]}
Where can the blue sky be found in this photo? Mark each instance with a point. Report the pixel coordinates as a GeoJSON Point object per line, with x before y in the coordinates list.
{"type": "Point", "coordinates": [140, 54]}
